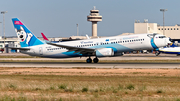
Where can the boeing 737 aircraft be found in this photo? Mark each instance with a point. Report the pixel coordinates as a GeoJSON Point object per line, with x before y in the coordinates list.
{"type": "Point", "coordinates": [100, 47]}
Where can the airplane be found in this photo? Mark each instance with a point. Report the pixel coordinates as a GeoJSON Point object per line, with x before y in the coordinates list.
{"type": "Point", "coordinates": [171, 49]}
{"type": "Point", "coordinates": [98, 47]}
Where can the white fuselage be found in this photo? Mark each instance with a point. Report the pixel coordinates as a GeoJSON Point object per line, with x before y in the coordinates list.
{"type": "Point", "coordinates": [119, 44]}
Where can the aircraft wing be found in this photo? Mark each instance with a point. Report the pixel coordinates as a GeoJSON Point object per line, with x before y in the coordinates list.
{"type": "Point", "coordinates": [76, 49]}
{"type": "Point", "coordinates": [15, 48]}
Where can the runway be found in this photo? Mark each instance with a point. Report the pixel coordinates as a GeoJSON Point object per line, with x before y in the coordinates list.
{"type": "Point", "coordinates": [83, 64]}
{"type": "Point", "coordinates": [92, 65]}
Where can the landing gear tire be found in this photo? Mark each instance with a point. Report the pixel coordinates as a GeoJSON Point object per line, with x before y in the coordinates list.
{"type": "Point", "coordinates": [157, 54]}
{"type": "Point", "coordinates": [89, 60]}
{"type": "Point", "coordinates": [96, 60]}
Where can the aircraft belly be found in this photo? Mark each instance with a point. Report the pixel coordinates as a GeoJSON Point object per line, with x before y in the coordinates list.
{"type": "Point", "coordinates": [63, 55]}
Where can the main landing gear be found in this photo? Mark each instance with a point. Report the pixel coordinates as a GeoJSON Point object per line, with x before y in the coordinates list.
{"type": "Point", "coordinates": [89, 60]}
{"type": "Point", "coordinates": [95, 60]}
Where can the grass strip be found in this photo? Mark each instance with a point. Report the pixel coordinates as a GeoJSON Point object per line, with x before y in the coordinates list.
{"type": "Point", "coordinates": [65, 87]}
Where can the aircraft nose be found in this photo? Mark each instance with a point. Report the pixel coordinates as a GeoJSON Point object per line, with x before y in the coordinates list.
{"type": "Point", "coordinates": [168, 40]}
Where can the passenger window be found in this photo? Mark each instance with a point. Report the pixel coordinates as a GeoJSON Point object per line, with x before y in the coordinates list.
{"type": "Point", "coordinates": [162, 37]}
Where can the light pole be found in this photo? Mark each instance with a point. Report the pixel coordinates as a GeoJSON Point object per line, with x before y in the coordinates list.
{"type": "Point", "coordinates": [77, 30]}
{"type": "Point", "coordinates": [163, 10]}
{"type": "Point", "coordinates": [0, 29]}
{"type": "Point", "coordinates": [3, 12]}
{"type": "Point", "coordinates": [1, 34]}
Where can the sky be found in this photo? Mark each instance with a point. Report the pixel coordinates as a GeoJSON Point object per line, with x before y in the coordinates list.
{"type": "Point", "coordinates": [58, 18]}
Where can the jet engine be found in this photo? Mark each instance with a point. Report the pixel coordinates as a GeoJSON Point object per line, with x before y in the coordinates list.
{"type": "Point", "coordinates": [103, 52]}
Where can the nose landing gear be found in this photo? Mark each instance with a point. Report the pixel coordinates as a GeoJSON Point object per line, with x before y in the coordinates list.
{"type": "Point", "coordinates": [157, 53]}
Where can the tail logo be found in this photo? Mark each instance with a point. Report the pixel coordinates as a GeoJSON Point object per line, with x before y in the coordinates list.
{"type": "Point", "coordinates": [17, 23]}
{"type": "Point", "coordinates": [23, 36]}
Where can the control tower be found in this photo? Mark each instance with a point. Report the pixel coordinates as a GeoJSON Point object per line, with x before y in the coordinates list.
{"type": "Point", "coordinates": [94, 17]}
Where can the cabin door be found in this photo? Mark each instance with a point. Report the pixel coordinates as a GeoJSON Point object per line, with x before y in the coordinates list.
{"type": "Point", "coordinates": [40, 50]}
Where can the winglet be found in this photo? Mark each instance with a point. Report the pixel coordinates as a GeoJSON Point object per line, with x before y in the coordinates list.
{"type": "Point", "coordinates": [87, 37]}
{"type": "Point", "coordinates": [44, 37]}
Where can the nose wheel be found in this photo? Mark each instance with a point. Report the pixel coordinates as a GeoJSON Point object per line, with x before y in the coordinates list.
{"type": "Point", "coordinates": [157, 53]}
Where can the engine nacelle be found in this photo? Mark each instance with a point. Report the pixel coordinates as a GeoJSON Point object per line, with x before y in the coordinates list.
{"type": "Point", "coordinates": [103, 52]}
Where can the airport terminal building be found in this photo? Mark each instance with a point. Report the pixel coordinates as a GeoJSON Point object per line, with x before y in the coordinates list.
{"type": "Point", "coordinates": [170, 31]}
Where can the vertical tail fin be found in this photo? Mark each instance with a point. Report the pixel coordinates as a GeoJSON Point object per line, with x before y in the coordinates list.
{"type": "Point", "coordinates": [25, 36]}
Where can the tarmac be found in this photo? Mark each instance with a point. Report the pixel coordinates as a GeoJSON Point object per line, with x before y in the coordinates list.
{"type": "Point", "coordinates": [95, 65]}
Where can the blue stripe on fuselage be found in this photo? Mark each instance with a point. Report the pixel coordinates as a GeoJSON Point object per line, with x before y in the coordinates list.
{"type": "Point", "coordinates": [153, 44]}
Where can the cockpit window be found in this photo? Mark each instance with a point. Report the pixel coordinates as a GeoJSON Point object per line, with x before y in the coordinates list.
{"type": "Point", "coordinates": [162, 36]}
{"type": "Point", "coordinates": [150, 35]}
